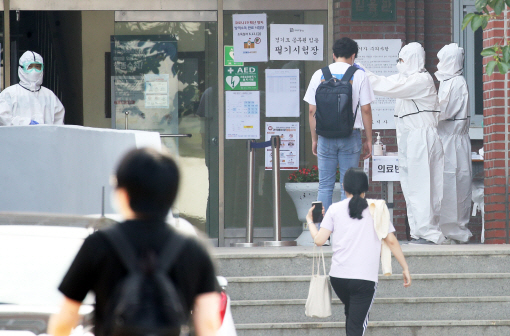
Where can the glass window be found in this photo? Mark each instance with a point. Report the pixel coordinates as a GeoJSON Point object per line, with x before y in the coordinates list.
{"type": "Point", "coordinates": [165, 80]}
{"type": "Point", "coordinates": [472, 42]}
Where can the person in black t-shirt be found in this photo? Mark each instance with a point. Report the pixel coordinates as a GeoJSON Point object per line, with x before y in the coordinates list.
{"type": "Point", "coordinates": [147, 184]}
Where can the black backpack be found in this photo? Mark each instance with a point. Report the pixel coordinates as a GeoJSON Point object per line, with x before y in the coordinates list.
{"type": "Point", "coordinates": [145, 302]}
{"type": "Point", "coordinates": [333, 98]}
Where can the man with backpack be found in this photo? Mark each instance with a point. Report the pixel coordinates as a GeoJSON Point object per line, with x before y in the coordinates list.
{"type": "Point", "coordinates": [339, 98]}
{"type": "Point", "coordinates": [146, 277]}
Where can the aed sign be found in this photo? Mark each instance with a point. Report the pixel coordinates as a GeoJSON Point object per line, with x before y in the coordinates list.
{"type": "Point", "coordinates": [241, 78]}
{"type": "Point", "coordinates": [385, 168]}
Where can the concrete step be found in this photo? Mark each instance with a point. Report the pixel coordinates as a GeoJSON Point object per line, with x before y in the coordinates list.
{"type": "Point", "coordinates": [384, 309]}
{"type": "Point", "coordinates": [422, 259]}
{"type": "Point", "coordinates": [381, 328]}
{"type": "Point", "coordinates": [424, 285]}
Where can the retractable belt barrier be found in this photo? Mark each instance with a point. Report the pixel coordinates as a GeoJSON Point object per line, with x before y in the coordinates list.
{"type": "Point", "coordinates": [275, 146]}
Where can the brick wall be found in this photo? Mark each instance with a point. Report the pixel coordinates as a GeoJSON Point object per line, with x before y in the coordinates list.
{"type": "Point", "coordinates": [426, 21]}
{"type": "Point", "coordinates": [343, 26]}
{"type": "Point", "coordinates": [495, 136]}
{"type": "Point", "coordinates": [438, 31]}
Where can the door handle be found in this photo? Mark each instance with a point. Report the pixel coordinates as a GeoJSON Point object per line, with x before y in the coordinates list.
{"type": "Point", "coordinates": [175, 135]}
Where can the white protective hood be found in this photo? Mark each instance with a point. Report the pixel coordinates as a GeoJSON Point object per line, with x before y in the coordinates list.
{"type": "Point", "coordinates": [413, 56]}
{"type": "Point", "coordinates": [31, 81]}
{"type": "Point", "coordinates": [451, 62]}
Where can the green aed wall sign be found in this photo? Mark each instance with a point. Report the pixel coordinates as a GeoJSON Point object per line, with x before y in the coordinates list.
{"type": "Point", "coordinates": [242, 78]}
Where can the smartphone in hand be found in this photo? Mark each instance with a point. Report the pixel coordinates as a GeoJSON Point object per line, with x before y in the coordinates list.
{"type": "Point", "coordinates": [317, 212]}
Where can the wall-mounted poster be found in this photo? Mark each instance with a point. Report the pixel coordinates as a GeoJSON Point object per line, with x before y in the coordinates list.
{"type": "Point", "coordinates": [380, 56]}
{"type": "Point", "coordinates": [282, 93]}
{"type": "Point", "coordinates": [297, 42]}
{"type": "Point", "coordinates": [144, 74]}
{"type": "Point", "coordinates": [250, 37]}
{"type": "Point", "coordinates": [242, 118]}
{"type": "Point", "coordinates": [289, 144]}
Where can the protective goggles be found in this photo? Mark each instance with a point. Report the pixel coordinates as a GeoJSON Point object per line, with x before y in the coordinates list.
{"type": "Point", "coordinates": [32, 66]}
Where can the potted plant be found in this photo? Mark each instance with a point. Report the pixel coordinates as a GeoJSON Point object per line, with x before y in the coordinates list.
{"type": "Point", "coordinates": [302, 187]}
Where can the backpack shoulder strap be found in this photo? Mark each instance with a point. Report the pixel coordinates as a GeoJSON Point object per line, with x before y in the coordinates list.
{"type": "Point", "coordinates": [326, 73]}
{"type": "Point", "coordinates": [349, 73]}
{"type": "Point", "coordinates": [122, 247]}
{"type": "Point", "coordinates": [171, 250]}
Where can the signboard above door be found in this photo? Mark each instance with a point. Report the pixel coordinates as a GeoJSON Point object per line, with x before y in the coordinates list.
{"type": "Point", "coordinates": [374, 10]}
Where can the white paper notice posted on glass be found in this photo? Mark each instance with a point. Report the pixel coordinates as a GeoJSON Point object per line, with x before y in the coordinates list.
{"type": "Point", "coordinates": [156, 91]}
{"type": "Point", "coordinates": [242, 119]}
{"type": "Point", "coordinates": [250, 37]}
{"type": "Point", "coordinates": [297, 42]}
{"type": "Point", "coordinates": [289, 144]}
{"type": "Point", "coordinates": [385, 168]}
{"type": "Point", "coordinates": [380, 57]}
{"type": "Point", "coordinates": [282, 93]}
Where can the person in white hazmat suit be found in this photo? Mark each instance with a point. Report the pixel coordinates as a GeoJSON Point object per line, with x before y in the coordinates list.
{"type": "Point", "coordinates": [453, 129]}
{"type": "Point", "coordinates": [28, 102]}
{"type": "Point", "coordinates": [420, 152]}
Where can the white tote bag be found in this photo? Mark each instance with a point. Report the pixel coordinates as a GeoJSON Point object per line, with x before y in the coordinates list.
{"type": "Point", "coordinates": [318, 303]}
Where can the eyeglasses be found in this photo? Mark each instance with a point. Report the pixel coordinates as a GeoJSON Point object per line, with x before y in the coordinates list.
{"type": "Point", "coordinates": [32, 66]}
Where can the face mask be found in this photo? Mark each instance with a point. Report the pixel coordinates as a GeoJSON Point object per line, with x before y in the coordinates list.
{"type": "Point", "coordinates": [401, 67]}
{"type": "Point", "coordinates": [34, 76]}
{"type": "Point", "coordinates": [113, 202]}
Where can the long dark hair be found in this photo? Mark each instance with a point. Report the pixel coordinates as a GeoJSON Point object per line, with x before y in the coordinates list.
{"type": "Point", "coordinates": [356, 183]}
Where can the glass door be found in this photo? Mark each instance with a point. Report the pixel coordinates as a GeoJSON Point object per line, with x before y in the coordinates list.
{"type": "Point", "coordinates": [236, 168]}
{"type": "Point", "coordinates": [165, 80]}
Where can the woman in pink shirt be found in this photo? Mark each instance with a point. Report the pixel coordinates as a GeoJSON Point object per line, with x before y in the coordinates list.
{"type": "Point", "coordinates": [356, 251]}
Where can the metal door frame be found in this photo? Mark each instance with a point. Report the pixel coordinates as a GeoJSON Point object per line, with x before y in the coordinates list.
{"type": "Point", "coordinates": [217, 16]}
{"type": "Point", "coordinates": [465, 39]}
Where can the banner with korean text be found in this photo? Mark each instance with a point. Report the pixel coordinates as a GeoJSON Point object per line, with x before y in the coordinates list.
{"type": "Point", "coordinates": [297, 42]}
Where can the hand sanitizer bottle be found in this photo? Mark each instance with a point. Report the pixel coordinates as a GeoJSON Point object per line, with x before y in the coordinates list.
{"type": "Point", "coordinates": [378, 146]}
